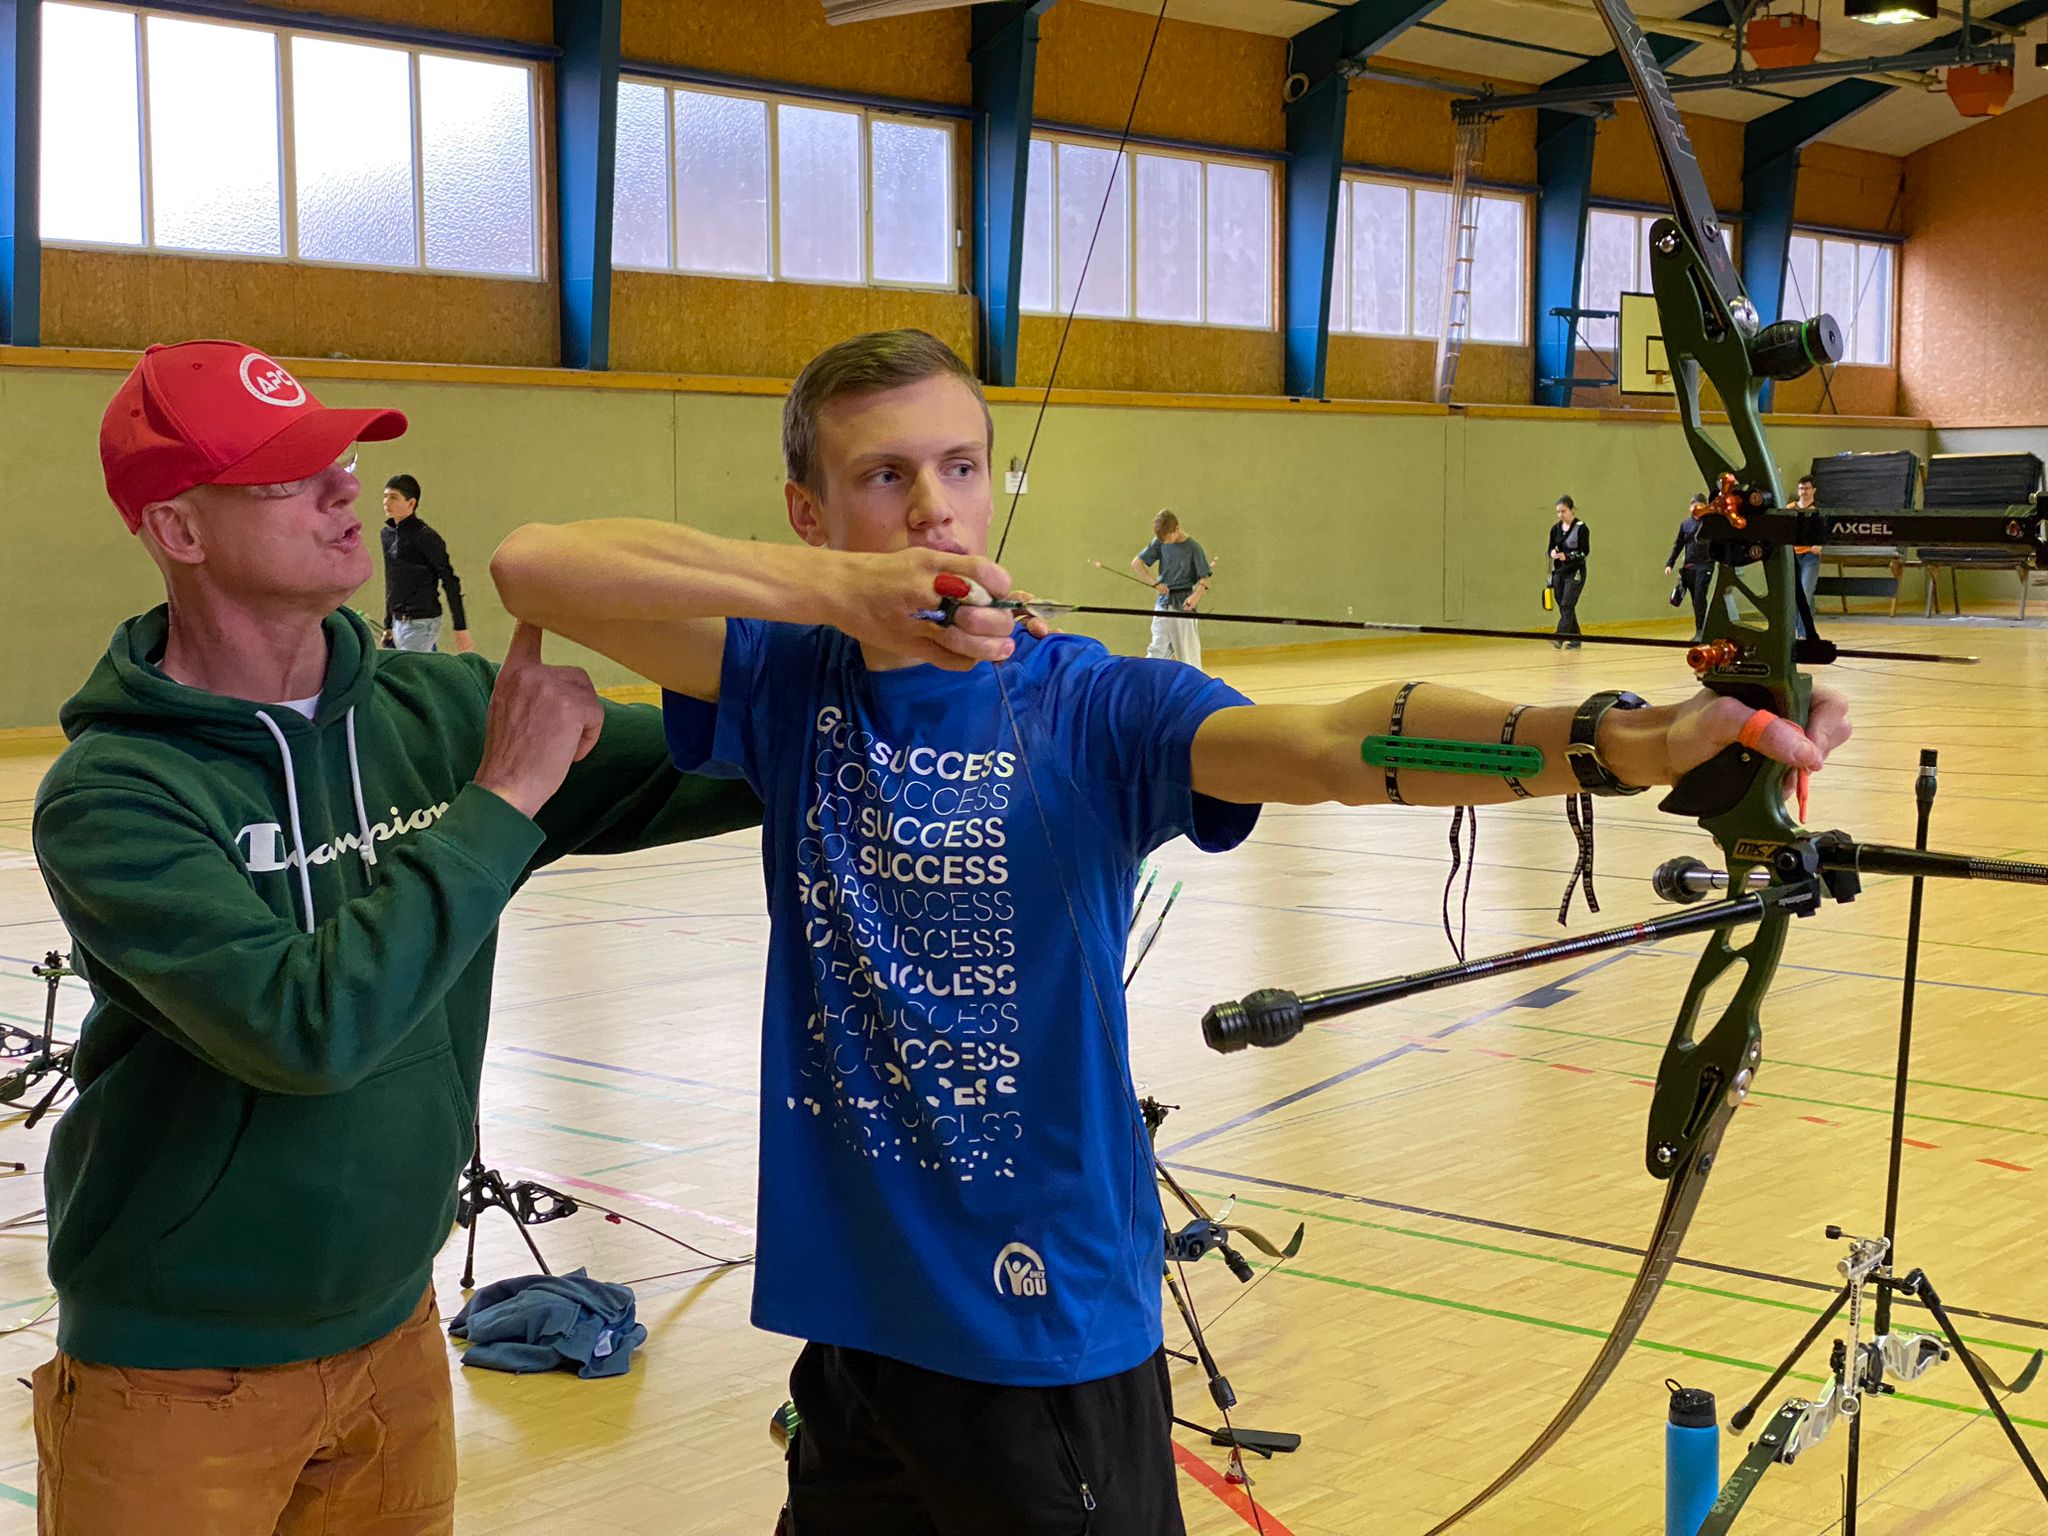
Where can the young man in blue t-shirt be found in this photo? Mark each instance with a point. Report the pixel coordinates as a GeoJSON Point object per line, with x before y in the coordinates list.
{"type": "Point", "coordinates": [957, 1207]}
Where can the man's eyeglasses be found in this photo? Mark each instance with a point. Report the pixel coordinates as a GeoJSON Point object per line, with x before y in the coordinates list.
{"type": "Point", "coordinates": [284, 490]}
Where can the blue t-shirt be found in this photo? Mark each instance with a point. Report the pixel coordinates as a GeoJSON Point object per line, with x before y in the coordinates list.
{"type": "Point", "coordinates": [952, 1173]}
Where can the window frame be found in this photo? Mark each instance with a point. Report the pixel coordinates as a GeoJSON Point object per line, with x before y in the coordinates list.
{"type": "Point", "coordinates": [281, 36]}
{"type": "Point", "coordinates": [772, 103]}
{"type": "Point", "coordinates": [1644, 217]}
{"type": "Point", "coordinates": [1858, 243]}
{"type": "Point", "coordinates": [1410, 185]}
{"type": "Point", "coordinates": [1202, 158]}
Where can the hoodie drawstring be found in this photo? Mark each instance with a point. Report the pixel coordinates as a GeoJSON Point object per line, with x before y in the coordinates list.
{"type": "Point", "coordinates": [355, 783]}
{"type": "Point", "coordinates": [291, 796]}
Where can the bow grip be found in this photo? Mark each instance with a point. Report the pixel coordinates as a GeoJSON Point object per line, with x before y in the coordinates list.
{"type": "Point", "coordinates": [1271, 1016]}
{"type": "Point", "coordinates": [1716, 786]}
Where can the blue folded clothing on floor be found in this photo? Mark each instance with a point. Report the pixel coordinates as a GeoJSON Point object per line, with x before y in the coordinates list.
{"type": "Point", "coordinates": [550, 1323]}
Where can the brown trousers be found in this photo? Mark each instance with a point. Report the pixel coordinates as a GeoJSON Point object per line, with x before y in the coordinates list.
{"type": "Point", "coordinates": [360, 1444]}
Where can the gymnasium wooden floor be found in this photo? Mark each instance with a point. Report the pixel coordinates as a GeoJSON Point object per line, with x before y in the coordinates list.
{"type": "Point", "coordinates": [1468, 1165]}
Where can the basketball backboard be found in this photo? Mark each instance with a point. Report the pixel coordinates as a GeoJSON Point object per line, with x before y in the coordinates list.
{"type": "Point", "coordinates": [1641, 365]}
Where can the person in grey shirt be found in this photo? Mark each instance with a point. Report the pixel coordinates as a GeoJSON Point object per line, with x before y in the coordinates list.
{"type": "Point", "coordinates": [1182, 581]}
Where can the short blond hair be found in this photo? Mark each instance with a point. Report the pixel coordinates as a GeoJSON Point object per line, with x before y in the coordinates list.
{"type": "Point", "coordinates": [864, 365]}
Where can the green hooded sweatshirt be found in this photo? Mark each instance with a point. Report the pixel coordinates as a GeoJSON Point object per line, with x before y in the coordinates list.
{"type": "Point", "coordinates": [289, 927]}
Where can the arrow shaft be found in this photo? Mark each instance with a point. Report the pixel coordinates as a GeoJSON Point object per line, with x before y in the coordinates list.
{"type": "Point", "coordinates": [1375, 626]}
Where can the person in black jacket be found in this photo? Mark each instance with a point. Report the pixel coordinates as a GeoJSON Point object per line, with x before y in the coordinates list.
{"type": "Point", "coordinates": [1695, 564]}
{"type": "Point", "coordinates": [416, 572]}
{"type": "Point", "coordinates": [1570, 542]}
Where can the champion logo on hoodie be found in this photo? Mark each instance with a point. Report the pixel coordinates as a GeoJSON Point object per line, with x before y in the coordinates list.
{"type": "Point", "coordinates": [266, 849]}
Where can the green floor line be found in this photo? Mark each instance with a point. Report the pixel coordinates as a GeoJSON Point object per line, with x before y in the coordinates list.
{"type": "Point", "coordinates": [499, 1117]}
{"type": "Point", "coordinates": [1558, 1260]}
{"type": "Point", "coordinates": [1803, 1066]}
{"type": "Point", "coordinates": [1736, 1362]}
{"type": "Point", "coordinates": [14, 1495]}
{"type": "Point", "coordinates": [626, 1088]}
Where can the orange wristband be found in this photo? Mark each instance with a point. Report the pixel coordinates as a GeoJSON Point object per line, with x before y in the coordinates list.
{"type": "Point", "coordinates": [1752, 732]}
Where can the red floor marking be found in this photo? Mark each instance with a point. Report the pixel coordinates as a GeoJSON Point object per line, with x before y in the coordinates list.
{"type": "Point", "coordinates": [738, 1228]}
{"type": "Point", "coordinates": [1480, 1050]}
{"type": "Point", "coordinates": [1642, 1082]}
{"type": "Point", "coordinates": [1924, 1146]}
{"type": "Point", "coordinates": [1233, 1497]}
{"type": "Point", "coordinates": [1992, 1162]}
{"type": "Point", "coordinates": [1565, 1066]}
{"type": "Point", "coordinates": [1815, 1120]}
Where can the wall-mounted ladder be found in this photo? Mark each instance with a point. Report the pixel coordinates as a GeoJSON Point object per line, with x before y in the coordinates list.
{"type": "Point", "coordinates": [1461, 239]}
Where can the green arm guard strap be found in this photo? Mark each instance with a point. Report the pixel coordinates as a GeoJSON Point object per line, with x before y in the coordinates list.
{"type": "Point", "coordinates": [1439, 756]}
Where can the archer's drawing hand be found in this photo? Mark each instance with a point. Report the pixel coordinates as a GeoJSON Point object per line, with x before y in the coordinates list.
{"type": "Point", "coordinates": [1660, 745]}
{"type": "Point", "coordinates": [875, 599]}
{"type": "Point", "coordinates": [1034, 624]}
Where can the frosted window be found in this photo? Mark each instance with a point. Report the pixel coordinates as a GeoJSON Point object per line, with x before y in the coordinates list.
{"type": "Point", "coordinates": [1870, 340]}
{"type": "Point", "coordinates": [640, 220]}
{"type": "Point", "coordinates": [1169, 238]}
{"type": "Point", "coordinates": [352, 151]}
{"type": "Point", "coordinates": [1613, 245]}
{"type": "Point", "coordinates": [476, 152]}
{"type": "Point", "coordinates": [92, 129]}
{"type": "Point", "coordinates": [1088, 176]}
{"type": "Point", "coordinates": [1838, 281]}
{"type": "Point", "coordinates": [214, 166]}
{"type": "Point", "coordinates": [1379, 258]}
{"type": "Point", "coordinates": [1240, 244]}
{"type": "Point", "coordinates": [912, 170]}
{"type": "Point", "coordinates": [1035, 293]}
{"type": "Point", "coordinates": [818, 193]}
{"type": "Point", "coordinates": [721, 184]}
{"type": "Point", "coordinates": [1340, 264]}
{"type": "Point", "coordinates": [1432, 219]}
{"type": "Point", "coordinates": [1497, 269]}
{"type": "Point", "coordinates": [1802, 279]}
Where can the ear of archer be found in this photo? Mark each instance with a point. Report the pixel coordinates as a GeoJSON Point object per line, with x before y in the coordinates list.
{"type": "Point", "coordinates": [806, 515]}
{"type": "Point", "coordinates": [174, 528]}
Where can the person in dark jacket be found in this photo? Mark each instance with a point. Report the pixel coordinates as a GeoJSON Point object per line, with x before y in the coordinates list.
{"type": "Point", "coordinates": [282, 855]}
{"type": "Point", "coordinates": [416, 571]}
{"type": "Point", "coordinates": [1570, 542]}
{"type": "Point", "coordinates": [1695, 563]}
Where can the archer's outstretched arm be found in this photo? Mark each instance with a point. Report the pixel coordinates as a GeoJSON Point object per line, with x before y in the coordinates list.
{"type": "Point", "coordinates": [1305, 754]}
{"type": "Point", "coordinates": [655, 596]}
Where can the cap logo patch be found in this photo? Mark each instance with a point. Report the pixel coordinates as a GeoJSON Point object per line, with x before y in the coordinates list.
{"type": "Point", "coordinates": [270, 383]}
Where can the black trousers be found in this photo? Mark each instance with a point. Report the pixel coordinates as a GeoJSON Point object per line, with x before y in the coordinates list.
{"type": "Point", "coordinates": [1699, 581]}
{"type": "Point", "coordinates": [1567, 581]}
{"type": "Point", "coordinates": [888, 1449]}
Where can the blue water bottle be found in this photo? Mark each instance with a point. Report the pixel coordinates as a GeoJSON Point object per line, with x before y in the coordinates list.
{"type": "Point", "coordinates": [1692, 1460]}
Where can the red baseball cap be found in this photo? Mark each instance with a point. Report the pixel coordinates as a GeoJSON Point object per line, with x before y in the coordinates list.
{"type": "Point", "coordinates": [220, 413]}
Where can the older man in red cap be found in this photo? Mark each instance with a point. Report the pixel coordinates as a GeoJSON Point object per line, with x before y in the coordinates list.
{"type": "Point", "coordinates": [282, 855]}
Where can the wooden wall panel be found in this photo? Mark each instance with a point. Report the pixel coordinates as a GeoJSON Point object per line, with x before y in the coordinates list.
{"type": "Point", "coordinates": [1850, 188]}
{"type": "Point", "coordinates": [1404, 368]}
{"type": "Point", "coordinates": [524, 21]}
{"type": "Point", "coordinates": [1213, 84]}
{"type": "Point", "coordinates": [676, 323]}
{"type": "Point", "coordinates": [1409, 128]}
{"type": "Point", "coordinates": [1135, 355]}
{"type": "Point", "coordinates": [1625, 159]}
{"type": "Point", "coordinates": [130, 299]}
{"type": "Point", "coordinates": [922, 57]}
{"type": "Point", "coordinates": [1974, 289]}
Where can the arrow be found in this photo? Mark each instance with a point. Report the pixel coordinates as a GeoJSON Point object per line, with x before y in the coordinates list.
{"type": "Point", "coordinates": [1813, 652]}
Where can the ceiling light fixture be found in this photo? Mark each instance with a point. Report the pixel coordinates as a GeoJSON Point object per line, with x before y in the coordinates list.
{"type": "Point", "coordinates": [1891, 12]}
{"type": "Point", "coordinates": [1783, 42]}
{"type": "Point", "coordinates": [1980, 90]}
